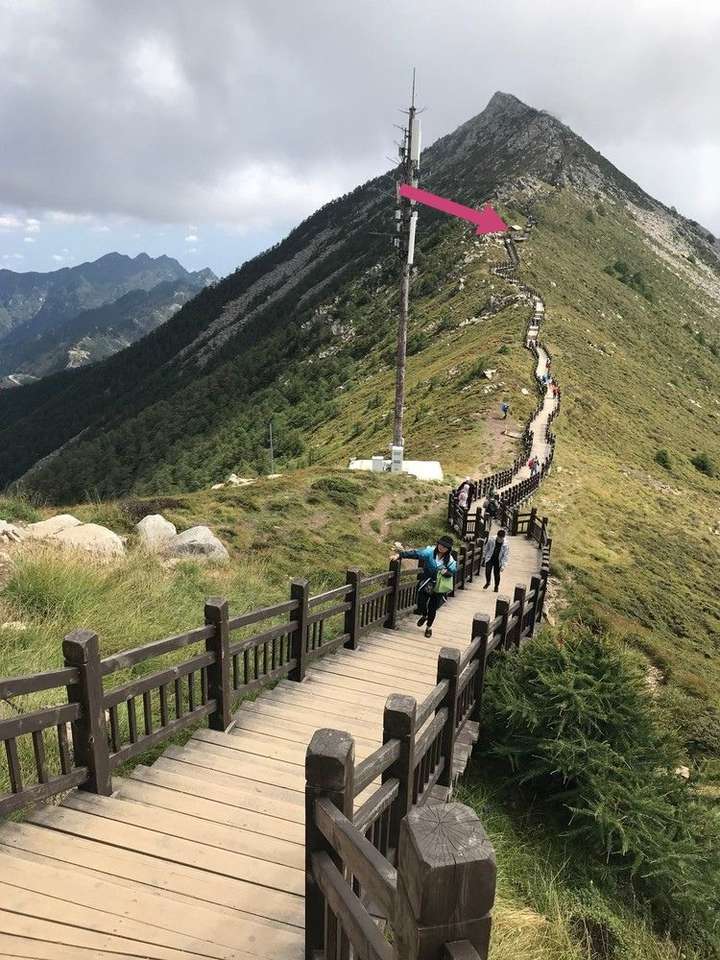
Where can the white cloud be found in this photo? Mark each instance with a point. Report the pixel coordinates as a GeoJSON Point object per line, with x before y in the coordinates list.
{"type": "Point", "coordinates": [191, 250]}
{"type": "Point", "coordinates": [192, 228]}
{"type": "Point", "coordinates": [191, 238]}
{"type": "Point", "coordinates": [13, 256]}
{"type": "Point", "coordinates": [101, 228]}
{"type": "Point", "coordinates": [29, 239]}
{"type": "Point", "coordinates": [57, 257]}
{"type": "Point", "coordinates": [153, 66]}
{"type": "Point", "coordinates": [32, 227]}
{"type": "Point", "coordinates": [8, 221]}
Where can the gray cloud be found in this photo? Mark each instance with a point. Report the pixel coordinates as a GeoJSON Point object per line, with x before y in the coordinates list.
{"type": "Point", "coordinates": [253, 113]}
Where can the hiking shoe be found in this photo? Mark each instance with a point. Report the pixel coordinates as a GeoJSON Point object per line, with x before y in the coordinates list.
{"type": "Point", "coordinates": [428, 632]}
{"type": "Point", "coordinates": [486, 586]}
{"type": "Point", "coordinates": [421, 621]}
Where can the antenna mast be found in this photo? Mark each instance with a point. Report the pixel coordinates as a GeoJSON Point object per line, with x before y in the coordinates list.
{"type": "Point", "coordinates": [406, 221]}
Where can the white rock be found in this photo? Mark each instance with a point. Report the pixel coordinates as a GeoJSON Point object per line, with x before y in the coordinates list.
{"type": "Point", "coordinates": [218, 486]}
{"type": "Point", "coordinates": [91, 537]}
{"type": "Point", "coordinates": [48, 528]}
{"type": "Point", "coordinates": [524, 392]}
{"type": "Point", "coordinates": [154, 531]}
{"type": "Point", "coordinates": [197, 542]}
{"type": "Point", "coordinates": [235, 481]}
{"type": "Point", "coordinates": [683, 772]}
{"type": "Point", "coordinates": [11, 533]}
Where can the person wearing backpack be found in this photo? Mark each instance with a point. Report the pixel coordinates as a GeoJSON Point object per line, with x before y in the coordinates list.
{"type": "Point", "coordinates": [495, 557]}
{"type": "Point", "coordinates": [436, 581]}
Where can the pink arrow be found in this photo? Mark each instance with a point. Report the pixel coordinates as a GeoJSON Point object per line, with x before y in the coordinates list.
{"type": "Point", "coordinates": [486, 220]}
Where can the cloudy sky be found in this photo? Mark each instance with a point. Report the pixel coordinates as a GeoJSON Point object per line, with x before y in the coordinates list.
{"type": "Point", "coordinates": [206, 130]}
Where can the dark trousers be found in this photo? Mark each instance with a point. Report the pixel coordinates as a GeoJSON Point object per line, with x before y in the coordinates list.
{"type": "Point", "coordinates": [492, 566]}
{"type": "Point", "coordinates": [428, 604]}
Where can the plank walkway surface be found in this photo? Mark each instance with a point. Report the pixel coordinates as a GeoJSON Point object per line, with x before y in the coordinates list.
{"type": "Point", "coordinates": [202, 854]}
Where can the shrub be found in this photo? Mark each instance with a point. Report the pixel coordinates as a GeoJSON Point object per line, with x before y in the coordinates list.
{"type": "Point", "coordinates": [340, 490]}
{"type": "Point", "coordinates": [703, 463]}
{"type": "Point", "coordinates": [590, 216]}
{"type": "Point", "coordinates": [663, 458]}
{"type": "Point", "coordinates": [621, 271]}
{"type": "Point", "coordinates": [576, 726]}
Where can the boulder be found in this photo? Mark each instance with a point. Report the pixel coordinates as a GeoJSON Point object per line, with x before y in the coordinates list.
{"type": "Point", "coordinates": [93, 538]}
{"type": "Point", "coordinates": [48, 528]}
{"type": "Point", "coordinates": [154, 531]}
{"type": "Point", "coordinates": [197, 542]}
{"type": "Point", "coordinates": [10, 533]}
{"type": "Point", "coordinates": [217, 486]}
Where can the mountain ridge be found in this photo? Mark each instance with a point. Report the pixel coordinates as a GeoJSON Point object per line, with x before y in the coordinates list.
{"type": "Point", "coordinates": [510, 152]}
{"type": "Point", "coordinates": [35, 307]}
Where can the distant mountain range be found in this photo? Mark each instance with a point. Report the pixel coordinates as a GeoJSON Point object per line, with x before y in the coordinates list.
{"type": "Point", "coordinates": [70, 317]}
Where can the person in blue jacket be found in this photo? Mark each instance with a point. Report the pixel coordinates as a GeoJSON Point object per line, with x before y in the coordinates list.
{"type": "Point", "coordinates": [438, 563]}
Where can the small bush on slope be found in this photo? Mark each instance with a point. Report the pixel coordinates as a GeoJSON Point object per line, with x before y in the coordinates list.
{"type": "Point", "coordinates": [576, 726]}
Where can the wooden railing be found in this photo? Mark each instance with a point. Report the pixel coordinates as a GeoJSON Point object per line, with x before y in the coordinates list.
{"type": "Point", "coordinates": [111, 710]}
{"type": "Point", "coordinates": [377, 852]}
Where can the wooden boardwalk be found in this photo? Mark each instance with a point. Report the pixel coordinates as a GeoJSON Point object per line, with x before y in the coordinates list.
{"type": "Point", "coordinates": [202, 853]}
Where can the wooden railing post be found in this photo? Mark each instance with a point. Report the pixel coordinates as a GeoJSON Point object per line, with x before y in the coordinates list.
{"type": "Point", "coordinates": [352, 616]}
{"type": "Point", "coordinates": [449, 669]}
{"type": "Point", "coordinates": [543, 532]}
{"type": "Point", "coordinates": [300, 591]}
{"type": "Point", "coordinates": [462, 560]}
{"type": "Point", "coordinates": [518, 597]}
{"type": "Point", "coordinates": [394, 597]}
{"type": "Point", "coordinates": [471, 557]}
{"type": "Point", "coordinates": [219, 673]}
{"type": "Point", "coordinates": [502, 610]}
{"type": "Point", "coordinates": [399, 724]}
{"type": "Point", "coordinates": [543, 592]}
{"type": "Point", "coordinates": [535, 588]}
{"type": "Point", "coordinates": [446, 882]}
{"type": "Point", "coordinates": [329, 766]}
{"type": "Point", "coordinates": [531, 523]}
{"type": "Point", "coordinates": [89, 732]}
{"type": "Point", "coordinates": [515, 522]}
{"type": "Point", "coordinates": [480, 632]}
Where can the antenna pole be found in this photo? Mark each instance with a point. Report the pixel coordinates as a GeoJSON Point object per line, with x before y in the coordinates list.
{"type": "Point", "coordinates": [405, 217]}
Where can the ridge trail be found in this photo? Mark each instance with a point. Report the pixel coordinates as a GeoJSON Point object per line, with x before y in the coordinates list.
{"type": "Point", "coordinates": [202, 854]}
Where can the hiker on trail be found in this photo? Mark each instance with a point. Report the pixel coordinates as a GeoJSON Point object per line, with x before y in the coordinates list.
{"type": "Point", "coordinates": [555, 390]}
{"type": "Point", "coordinates": [491, 508]}
{"type": "Point", "coordinates": [495, 557]}
{"type": "Point", "coordinates": [504, 408]}
{"type": "Point", "coordinates": [465, 493]}
{"type": "Point", "coordinates": [533, 464]}
{"type": "Point", "coordinates": [547, 363]}
{"type": "Point", "coordinates": [436, 581]}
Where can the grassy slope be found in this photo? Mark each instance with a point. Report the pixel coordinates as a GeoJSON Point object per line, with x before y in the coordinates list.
{"type": "Point", "coordinates": [632, 538]}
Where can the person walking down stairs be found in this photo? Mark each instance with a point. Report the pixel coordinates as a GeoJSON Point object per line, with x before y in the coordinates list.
{"type": "Point", "coordinates": [495, 557]}
{"type": "Point", "coordinates": [436, 583]}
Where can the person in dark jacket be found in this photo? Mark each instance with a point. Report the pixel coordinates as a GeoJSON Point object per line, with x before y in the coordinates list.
{"type": "Point", "coordinates": [438, 562]}
{"type": "Point", "coordinates": [495, 557]}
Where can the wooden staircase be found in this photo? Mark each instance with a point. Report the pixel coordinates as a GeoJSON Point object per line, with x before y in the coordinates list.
{"type": "Point", "coordinates": [202, 852]}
